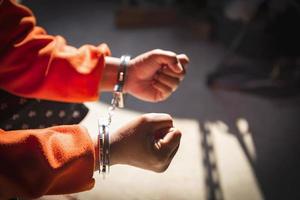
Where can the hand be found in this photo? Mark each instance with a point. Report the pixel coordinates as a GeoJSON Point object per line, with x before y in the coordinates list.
{"type": "Point", "coordinates": [149, 142]}
{"type": "Point", "coordinates": [155, 75]}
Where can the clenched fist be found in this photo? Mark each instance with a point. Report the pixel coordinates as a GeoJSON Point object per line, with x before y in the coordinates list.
{"type": "Point", "coordinates": [149, 142]}
{"type": "Point", "coordinates": [152, 76]}
{"type": "Point", "coordinates": [155, 75]}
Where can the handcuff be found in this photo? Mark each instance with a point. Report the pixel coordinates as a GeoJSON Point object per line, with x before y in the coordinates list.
{"type": "Point", "coordinates": [104, 123]}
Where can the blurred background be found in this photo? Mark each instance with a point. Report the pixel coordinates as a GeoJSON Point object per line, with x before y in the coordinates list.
{"type": "Point", "coordinates": [238, 106]}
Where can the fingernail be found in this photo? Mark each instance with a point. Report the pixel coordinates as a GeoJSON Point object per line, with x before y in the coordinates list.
{"type": "Point", "coordinates": [172, 129]}
{"type": "Point", "coordinates": [157, 144]}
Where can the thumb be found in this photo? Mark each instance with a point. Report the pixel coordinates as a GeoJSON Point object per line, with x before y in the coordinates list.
{"type": "Point", "coordinates": [167, 58]}
{"type": "Point", "coordinates": [183, 59]}
{"type": "Point", "coordinates": [170, 142]}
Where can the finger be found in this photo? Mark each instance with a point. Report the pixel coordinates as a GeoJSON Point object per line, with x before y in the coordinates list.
{"type": "Point", "coordinates": [161, 120]}
{"type": "Point", "coordinates": [183, 59]}
{"type": "Point", "coordinates": [170, 142]}
{"type": "Point", "coordinates": [168, 58]}
{"type": "Point", "coordinates": [173, 153]}
{"type": "Point", "coordinates": [160, 133]}
{"type": "Point", "coordinates": [167, 71]}
{"type": "Point", "coordinates": [158, 117]}
{"type": "Point", "coordinates": [163, 90]}
{"type": "Point", "coordinates": [169, 81]}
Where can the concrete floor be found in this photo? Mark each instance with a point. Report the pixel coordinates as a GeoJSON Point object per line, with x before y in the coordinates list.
{"type": "Point", "coordinates": [235, 146]}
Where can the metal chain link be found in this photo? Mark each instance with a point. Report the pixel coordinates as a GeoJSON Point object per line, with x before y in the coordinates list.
{"type": "Point", "coordinates": [112, 108]}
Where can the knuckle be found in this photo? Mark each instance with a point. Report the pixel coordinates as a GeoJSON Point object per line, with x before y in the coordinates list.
{"type": "Point", "coordinates": [177, 81]}
{"type": "Point", "coordinates": [145, 118]}
{"type": "Point", "coordinates": [160, 97]}
{"type": "Point", "coordinates": [178, 134]}
{"type": "Point", "coordinates": [181, 76]}
{"type": "Point", "coordinates": [157, 51]}
{"type": "Point", "coordinates": [172, 89]}
{"type": "Point", "coordinates": [164, 116]}
{"type": "Point", "coordinates": [168, 117]}
{"type": "Point", "coordinates": [172, 54]}
{"type": "Point", "coordinates": [152, 119]}
{"type": "Point", "coordinates": [149, 117]}
{"type": "Point", "coordinates": [161, 168]}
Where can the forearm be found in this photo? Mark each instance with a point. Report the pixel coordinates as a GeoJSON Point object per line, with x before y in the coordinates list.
{"type": "Point", "coordinates": [109, 77]}
{"type": "Point", "coordinates": [51, 69]}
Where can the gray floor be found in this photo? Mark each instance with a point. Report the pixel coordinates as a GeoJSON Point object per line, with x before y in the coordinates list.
{"type": "Point", "coordinates": [273, 123]}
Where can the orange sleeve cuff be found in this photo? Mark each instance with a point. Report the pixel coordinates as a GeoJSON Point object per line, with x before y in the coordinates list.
{"type": "Point", "coordinates": [55, 160]}
{"type": "Point", "coordinates": [36, 65]}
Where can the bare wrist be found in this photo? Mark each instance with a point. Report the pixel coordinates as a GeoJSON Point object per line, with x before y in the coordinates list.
{"type": "Point", "coordinates": [128, 81]}
{"type": "Point", "coordinates": [96, 147]}
{"type": "Point", "coordinates": [114, 155]}
{"type": "Point", "coordinates": [110, 72]}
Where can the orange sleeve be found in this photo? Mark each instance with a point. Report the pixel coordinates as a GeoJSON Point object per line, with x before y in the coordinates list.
{"type": "Point", "coordinates": [55, 160]}
{"type": "Point", "coordinates": [36, 65]}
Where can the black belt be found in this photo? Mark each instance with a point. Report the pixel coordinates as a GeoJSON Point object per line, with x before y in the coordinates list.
{"type": "Point", "coordinates": [25, 113]}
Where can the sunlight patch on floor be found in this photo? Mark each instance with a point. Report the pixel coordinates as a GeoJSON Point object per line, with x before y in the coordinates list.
{"type": "Point", "coordinates": [236, 176]}
{"type": "Point", "coordinates": [186, 178]}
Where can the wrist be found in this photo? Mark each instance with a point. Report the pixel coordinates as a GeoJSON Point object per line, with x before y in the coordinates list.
{"type": "Point", "coordinates": [110, 73]}
{"type": "Point", "coordinates": [114, 154]}
{"type": "Point", "coordinates": [96, 147]}
{"type": "Point", "coordinates": [94, 139]}
{"type": "Point", "coordinates": [127, 85]}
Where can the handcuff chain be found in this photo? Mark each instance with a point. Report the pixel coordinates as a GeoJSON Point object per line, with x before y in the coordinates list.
{"type": "Point", "coordinates": [112, 109]}
{"type": "Point", "coordinates": [117, 101]}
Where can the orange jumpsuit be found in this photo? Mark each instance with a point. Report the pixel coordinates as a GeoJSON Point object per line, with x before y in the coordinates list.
{"type": "Point", "coordinates": [54, 160]}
